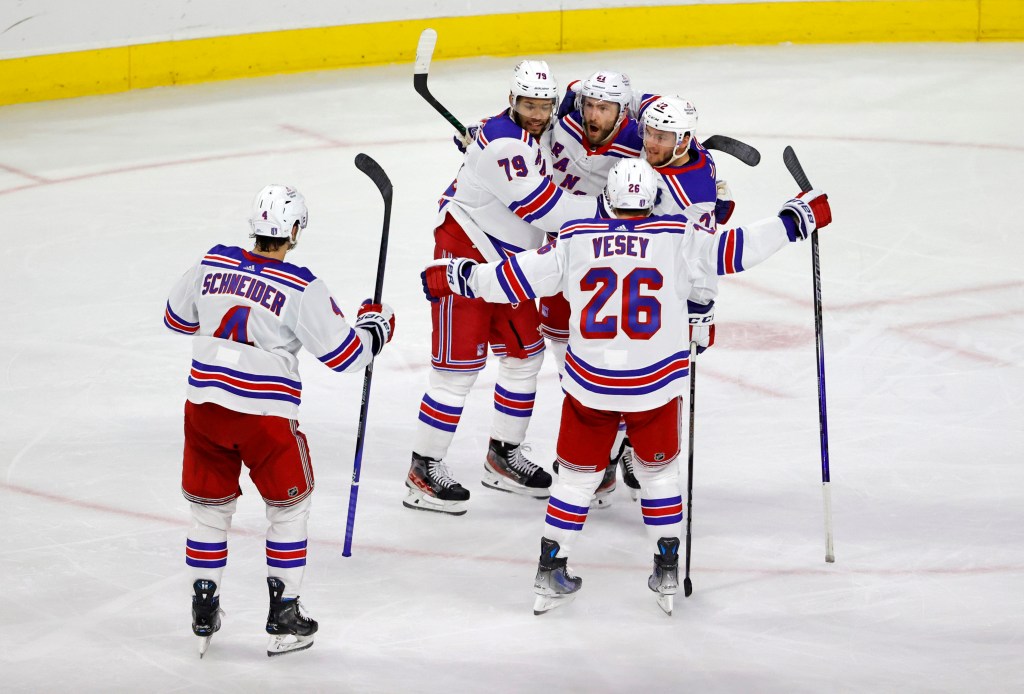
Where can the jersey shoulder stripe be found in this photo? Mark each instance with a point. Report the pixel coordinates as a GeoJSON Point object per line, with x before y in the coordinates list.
{"type": "Point", "coordinates": [572, 126]}
{"type": "Point", "coordinates": [583, 226]}
{"type": "Point", "coordinates": [499, 127]}
{"type": "Point", "coordinates": [235, 258]}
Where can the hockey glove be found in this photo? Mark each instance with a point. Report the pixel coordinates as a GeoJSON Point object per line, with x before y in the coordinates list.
{"type": "Point", "coordinates": [805, 213]}
{"type": "Point", "coordinates": [568, 104]}
{"type": "Point", "coordinates": [464, 141]}
{"type": "Point", "coordinates": [447, 276]}
{"type": "Point", "coordinates": [724, 205]}
{"type": "Point", "coordinates": [702, 324]}
{"type": "Point", "coordinates": [379, 321]}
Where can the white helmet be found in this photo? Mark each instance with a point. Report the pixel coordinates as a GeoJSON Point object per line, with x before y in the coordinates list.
{"type": "Point", "coordinates": [275, 211]}
{"type": "Point", "coordinates": [606, 85]}
{"type": "Point", "coordinates": [673, 114]}
{"type": "Point", "coordinates": [533, 79]}
{"type": "Point", "coordinates": [632, 185]}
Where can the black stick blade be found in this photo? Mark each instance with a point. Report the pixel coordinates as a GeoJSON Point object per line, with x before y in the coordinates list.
{"type": "Point", "coordinates": [687, 587]}
{"type": "Point", "coordinates": [797, 171]}
{"type": "Point", "coordinates": [733, 147]}
{"type": "Point", "coordinates": [371, 168]}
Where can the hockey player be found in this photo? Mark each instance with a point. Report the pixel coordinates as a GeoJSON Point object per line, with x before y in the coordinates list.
{"type": "Point", "coordinates": [627, 280]}
{"type": "Point", "coordinates": [594, 132]}
{"type": "Point", "coordinates": [593, 138]}
{"type": "Point", "coordinates": [249, 313]}
{"type": "Point", "coordinates": [502, 202]}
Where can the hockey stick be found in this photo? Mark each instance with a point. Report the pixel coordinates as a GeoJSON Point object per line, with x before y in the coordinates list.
{"type": "Point", "coordinates": [421, 71]}
{"type": "Point", "coordinates": [424, 52]}
{"type": "Point", "coordinates": [687, 584]}
{"type": "Point", "coordinates": [733, 147]}
{"type": "Point", "coordinates": [380, 179]}
{"type": "Point", "coordinates": [793, 164]}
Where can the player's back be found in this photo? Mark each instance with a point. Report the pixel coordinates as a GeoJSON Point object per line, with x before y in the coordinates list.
{"type": "Point", "coordinates": [627, 282]}
{"type": "Point", "coordinates": [245, 345]}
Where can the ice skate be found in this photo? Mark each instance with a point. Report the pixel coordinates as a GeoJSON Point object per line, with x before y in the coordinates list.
{"type": "Point", "coordinates": [206, 613]}
{"type": "Point", "coordinates": [289, 629]}
{"type": "Point", "coordinates": [624, 458]}
{"type": "Point", "coordinates": [432, 488]}
{"type": "Point", "coordinates": [664, 580]}
{"type": "Point", "coordinates": [603, 496]}
{"type": "Point", "coordinates": [554, 585]}
{"type": "Point", "coordinates": [508, 470]}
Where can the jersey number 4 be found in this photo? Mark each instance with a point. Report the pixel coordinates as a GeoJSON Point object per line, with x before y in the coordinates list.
{"type": "Point", "coordinates": [639, 315]}
{"type": "Point", "coordinates": [234, 325]}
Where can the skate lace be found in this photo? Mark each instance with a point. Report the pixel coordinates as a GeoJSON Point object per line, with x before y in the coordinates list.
{"type": "Point", "coordinates": [627, 459]}
{"type": "Point", "coordinates": [519, 462]}
{"type": "Point", "coordinates": [440, 474]}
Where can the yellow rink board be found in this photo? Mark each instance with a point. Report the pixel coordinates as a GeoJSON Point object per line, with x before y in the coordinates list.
{"type": "Point", "coordinates": [108, 70]}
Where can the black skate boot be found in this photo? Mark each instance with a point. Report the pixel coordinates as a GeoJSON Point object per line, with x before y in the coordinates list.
{"type": "Point", "coordinates": [665, 578]}
{"type": "Point", "coordinates": [554, 585]}
{"type": "Point", "coordinates": [603, 495]}
{"type": "Point", "coordinates": [507, 469]}
{"type": "Point", "coordinates": [289, 629]}
{"type": "Point", "coordinates": [431, 488]}
{"type": "Point", "coordinates": [206, 613]}
{"type": "Point", "coordinates": [624, 458]}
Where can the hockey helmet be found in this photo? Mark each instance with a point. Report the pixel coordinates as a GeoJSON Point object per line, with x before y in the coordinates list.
{"type": "Point", "coordinates": [672, 114]}
{"type": "Point", "coordinates": [275, 210]}
{"type": "Point", "coordinates": [632, 185]}
{"type": "Point", "coordinates": [606, 85]}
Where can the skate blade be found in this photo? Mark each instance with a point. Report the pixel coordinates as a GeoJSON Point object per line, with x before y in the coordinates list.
{"type": "Point", "coordinates": [279, 645]}
{"type": "Point", "coordinates": [665, 603]}
{"type": "Point", "coordinates": [204, 643]}
{"type": "Point", "coordinates": [546, 603]}
{"type": "Point", "coordinates": [419, 501]}
{"type": "Point", "coordinates": [494, 481]}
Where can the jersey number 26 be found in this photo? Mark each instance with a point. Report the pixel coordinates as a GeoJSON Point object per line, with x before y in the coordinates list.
{"type": "Point", "coordinates": [639, 315]}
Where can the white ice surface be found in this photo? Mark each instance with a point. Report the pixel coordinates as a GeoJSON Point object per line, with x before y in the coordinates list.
{"type": "Point", "coordinates": [106, 201]}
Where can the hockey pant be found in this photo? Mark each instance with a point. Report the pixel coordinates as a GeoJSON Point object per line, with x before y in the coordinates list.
{"type": "Point", "coordinates": [206, 548]}
{"type": "Point", "coordinates": [442, 404]}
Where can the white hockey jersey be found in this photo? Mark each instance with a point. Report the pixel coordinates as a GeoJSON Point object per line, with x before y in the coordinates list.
{"type": "Point", "coordinates": [582, 169]}
{"type": "Point", "coordinates": [504, 197]}
{"type": "Point", "coordinates": [250, 315]}
{"type": "Point", "coordinates": [627, 282]}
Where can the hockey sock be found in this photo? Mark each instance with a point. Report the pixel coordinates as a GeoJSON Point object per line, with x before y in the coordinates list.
{"type": "Point", "coordinates": [440, 411]}
{"type": "Point", "coordinates": [514, 394]}
{"type": "Point", "coordinates": [568, 506]}
{"type": "Point", "coordinates": [206, 547]}
{"type": "Point", "coordinates": [286, 544]}
{"type": "Point", "coordinates": [557, 349]}
{"type": "Point", "coordinates": [661, 499]}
